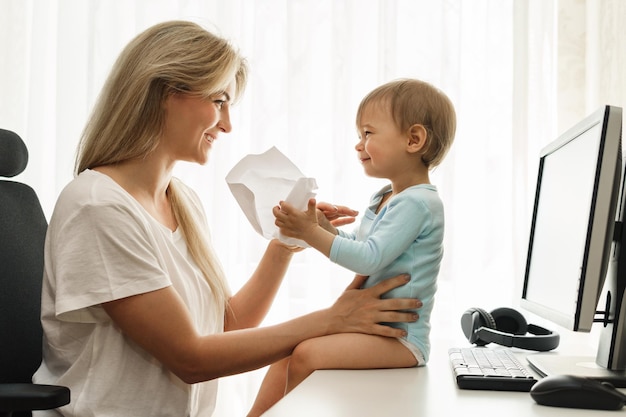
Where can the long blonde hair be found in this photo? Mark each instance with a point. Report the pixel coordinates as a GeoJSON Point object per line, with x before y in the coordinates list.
{"type": "Point", "coordinates": [128, 118]}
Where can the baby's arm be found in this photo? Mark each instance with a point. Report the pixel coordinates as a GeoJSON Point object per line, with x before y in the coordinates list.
{"type": "Point", "coordinates": [304, 225]}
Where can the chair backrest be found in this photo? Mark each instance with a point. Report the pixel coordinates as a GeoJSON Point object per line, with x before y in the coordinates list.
{"type": "Point", "coordinates": [22, 234]}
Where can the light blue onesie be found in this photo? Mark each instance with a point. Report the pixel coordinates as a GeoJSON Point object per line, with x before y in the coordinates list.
{"type": "Point", "coordinates": [406, 236]}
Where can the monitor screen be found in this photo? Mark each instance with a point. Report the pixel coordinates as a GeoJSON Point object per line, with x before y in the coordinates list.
{"type": "Point", "coordinates": [559, 245]}
{"type": "Point", "coordinates": [572, 242]}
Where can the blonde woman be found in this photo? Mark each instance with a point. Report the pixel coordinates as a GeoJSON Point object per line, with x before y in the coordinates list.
{"type": "Point", "coordinates": [137, 315]}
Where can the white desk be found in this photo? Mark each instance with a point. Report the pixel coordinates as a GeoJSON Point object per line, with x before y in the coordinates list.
{"type": "Point", "coordinates": [428, 391]}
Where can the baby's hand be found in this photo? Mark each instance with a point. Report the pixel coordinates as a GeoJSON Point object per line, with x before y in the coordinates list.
{"type": "Point", "coordinates": [295, 223]}
{"type": "Point", "coordinates": [335, 215]}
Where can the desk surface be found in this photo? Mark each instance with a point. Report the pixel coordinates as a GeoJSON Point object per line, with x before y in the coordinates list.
{"type": "Point", "coordinates": [425, 391]}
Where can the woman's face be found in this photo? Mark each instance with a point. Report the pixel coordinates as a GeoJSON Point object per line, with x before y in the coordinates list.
{"type": "Point", "coordinates": [193, 124]}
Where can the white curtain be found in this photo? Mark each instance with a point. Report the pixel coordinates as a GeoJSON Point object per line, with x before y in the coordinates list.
{"type": "Point", "coordinates": [518, 71]}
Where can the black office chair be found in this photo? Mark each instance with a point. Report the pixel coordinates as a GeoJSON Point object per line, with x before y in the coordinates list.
{"type": "Point", "coordinates": [22, 233]}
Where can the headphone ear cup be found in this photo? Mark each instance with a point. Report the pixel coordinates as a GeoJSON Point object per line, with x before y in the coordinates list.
{"type": "Point", "coordinates": [508, 320]}
{"type": "Point", "coordinates": [472, 320]}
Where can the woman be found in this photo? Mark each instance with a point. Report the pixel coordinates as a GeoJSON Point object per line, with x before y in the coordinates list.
{"type": "Point", "coordinates": [137, 315]}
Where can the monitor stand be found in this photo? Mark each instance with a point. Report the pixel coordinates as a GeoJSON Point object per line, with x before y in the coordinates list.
{"type": "Point", "coordinates": [585, 366]}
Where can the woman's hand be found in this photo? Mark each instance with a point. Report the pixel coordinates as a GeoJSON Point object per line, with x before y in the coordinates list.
{"type": "Point", "coordinates": [362, 310]}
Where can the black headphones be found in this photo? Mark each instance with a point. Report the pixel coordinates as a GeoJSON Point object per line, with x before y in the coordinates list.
{"type": "Point", "coordinates": [506, 326]}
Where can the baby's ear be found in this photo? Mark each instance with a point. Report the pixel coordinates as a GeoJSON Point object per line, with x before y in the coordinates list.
{"type": "Point", "coordinates": [418, 137]}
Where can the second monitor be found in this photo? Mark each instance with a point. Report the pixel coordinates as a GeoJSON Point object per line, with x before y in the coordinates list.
{"type": "Point", "coordinates": [574, 256]}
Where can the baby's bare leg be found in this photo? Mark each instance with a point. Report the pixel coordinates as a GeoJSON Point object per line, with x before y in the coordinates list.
{"type": "Point", "coordinates": [272, 388]}
{"type": "Point", "coordinates": [346, 351]}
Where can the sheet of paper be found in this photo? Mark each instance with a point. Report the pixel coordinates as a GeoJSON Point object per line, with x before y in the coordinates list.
{"type": "Point", "coordinates": [260, 181]}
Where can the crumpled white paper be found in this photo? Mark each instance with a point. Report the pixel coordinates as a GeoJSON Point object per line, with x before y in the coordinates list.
{"type": "Point", "coordinates": [260, 181]}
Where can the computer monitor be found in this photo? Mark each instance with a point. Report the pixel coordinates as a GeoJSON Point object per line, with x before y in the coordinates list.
{"type": "Point", "coordinates": [575, 269]}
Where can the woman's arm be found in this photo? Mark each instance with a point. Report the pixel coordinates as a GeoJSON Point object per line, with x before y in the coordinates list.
{"type": "Point", "coordinates": [250, 304]}
{"type": "Point", "coordinates": [158, 322]}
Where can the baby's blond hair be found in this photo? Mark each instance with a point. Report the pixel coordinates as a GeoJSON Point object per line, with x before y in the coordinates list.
{"type": "Point", "coordinates": [417, 102]}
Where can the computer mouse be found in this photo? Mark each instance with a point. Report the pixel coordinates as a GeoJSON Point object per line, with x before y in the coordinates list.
{"type": "Point", "coordinates": [577, 392]}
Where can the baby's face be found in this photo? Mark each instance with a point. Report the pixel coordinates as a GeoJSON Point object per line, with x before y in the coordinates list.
{"type": "Point", "coordinates": [381, 146]}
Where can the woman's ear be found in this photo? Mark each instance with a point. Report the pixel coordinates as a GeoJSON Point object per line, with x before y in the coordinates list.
{"type": "Point", "coordinates": [418, 137]}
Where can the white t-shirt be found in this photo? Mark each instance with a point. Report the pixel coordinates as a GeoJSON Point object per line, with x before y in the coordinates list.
{"type": "Point", "coordinates": [101, 246]}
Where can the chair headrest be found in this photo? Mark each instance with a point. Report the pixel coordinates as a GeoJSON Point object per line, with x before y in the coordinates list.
{"type": "Point", "coordinates": [13, 154]}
